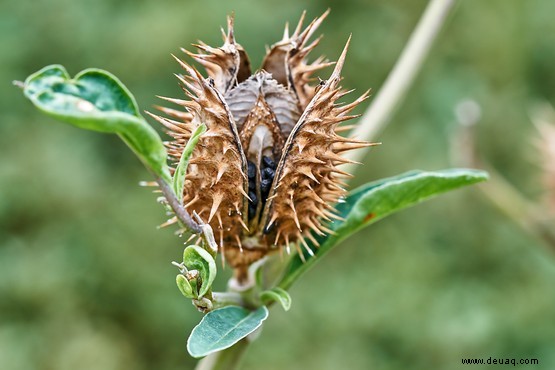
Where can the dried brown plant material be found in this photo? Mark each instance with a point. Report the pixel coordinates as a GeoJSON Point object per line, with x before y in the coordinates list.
{"type": "Point", "coordinates": [265, 174]}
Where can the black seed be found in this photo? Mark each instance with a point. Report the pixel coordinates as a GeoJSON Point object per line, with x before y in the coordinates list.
{"type": "Point", "coordinates": [253, 200]}
{"type": "Point", "coordinates": [252, 185]}
{"type": "Point", "coordinates": [265, 186]}
{"type": "Point", "coordinates": [252, 211]}
{"type": "Point", "coordinates": [267, 162]}
{"type": "Point", "coordinates": [268, 173]}
{"type": "Point", "coordinates": [252, 204]}
{"type": "Point", "coordinates": [251, 170]}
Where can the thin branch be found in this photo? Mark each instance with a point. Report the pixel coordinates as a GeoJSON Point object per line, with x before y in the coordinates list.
{"type": "Point", "coordinates": [178, 209]}
{"type": "Point", "coordinates": [399, 81]}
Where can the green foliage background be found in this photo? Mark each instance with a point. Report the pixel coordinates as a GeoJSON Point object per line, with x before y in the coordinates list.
{"type": "Point", "coordinates": [85, 279]}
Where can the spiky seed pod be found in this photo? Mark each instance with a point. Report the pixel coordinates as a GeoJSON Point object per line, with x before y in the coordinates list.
{"type": "Point", "coordinates": [266, 172]}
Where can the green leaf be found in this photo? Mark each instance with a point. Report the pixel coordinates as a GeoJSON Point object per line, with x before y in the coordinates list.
{"type": "Point", "coordinates": [181, 169]}
{"type": "Point", "coordinates": [277, 295]}
{"type": "Point", "coordinates": [376, 200]}
{"type": "Point", "coordinates": [222, 328]}
{"type": "Point", "coordinates": [96, 100]}
{"type": "Point", "coordinates": [196, 258]}
{"type": "Point", "coordinates": [184, 286]}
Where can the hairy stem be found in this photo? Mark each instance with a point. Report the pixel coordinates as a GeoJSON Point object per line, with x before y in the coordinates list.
{"type": "Point", "coordinates": [391, 94]}
{"type": "Point", "coordinates": [228, 359]}
{"type": "Point", "coordinates": [182, 214]}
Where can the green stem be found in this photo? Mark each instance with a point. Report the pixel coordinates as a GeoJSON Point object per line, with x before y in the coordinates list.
{"type": "Point", "coordinates": [222, 299]}
{"type": "Point", "coordinates": [228, 359]}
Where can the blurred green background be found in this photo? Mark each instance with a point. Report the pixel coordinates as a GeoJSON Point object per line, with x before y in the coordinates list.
{"type": "Point", "coordinates": [85, 276]}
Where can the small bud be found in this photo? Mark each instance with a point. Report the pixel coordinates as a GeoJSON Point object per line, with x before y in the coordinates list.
{"type": "Point", "coordinates": [184, 286]}
{"type": "Point", "coordinates": [201, 267]}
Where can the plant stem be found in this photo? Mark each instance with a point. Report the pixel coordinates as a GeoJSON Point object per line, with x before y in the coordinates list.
{"type": "Point", "coordinates": [394, 89]}
{"type": "Point", "coordinates": [228, 359]}
{"type": "Point", "coordinates": [178, 209]}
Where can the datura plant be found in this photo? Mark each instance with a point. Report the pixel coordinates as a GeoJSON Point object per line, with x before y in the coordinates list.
{"type": "Point", "coordinates": [253, 171]}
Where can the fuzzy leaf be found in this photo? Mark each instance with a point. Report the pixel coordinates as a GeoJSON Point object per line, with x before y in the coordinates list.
{"type": "Point", "coordinates": [96, 100]}
{"type": "Point", "coordinates": [376, 200]}
{"type": "Point", "coordinates": [181, 169]}
{"type": "Point", "coordinates": [277, 295]}
{"type": "Point", "coordinates": [222, 328]}
{"type": "Point", "coordinates": [196, 258]}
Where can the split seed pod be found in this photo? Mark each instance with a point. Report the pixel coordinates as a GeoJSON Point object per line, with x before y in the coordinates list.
{"type": "Point", "coordinates": [265, 174]}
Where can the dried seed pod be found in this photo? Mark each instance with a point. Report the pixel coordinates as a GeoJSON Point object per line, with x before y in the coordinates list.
{"type": "Point", "coordinates": [265, 174]}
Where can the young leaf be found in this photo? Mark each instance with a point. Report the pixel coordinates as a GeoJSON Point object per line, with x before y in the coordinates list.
{"type": "Point", "coordinates": [222, 328]}
{"type": "Point", "coordinates": [181, 169]}
{"type": "Point", "coordinates": [277, 295]}
{"type": "Point", "coordinates": [196, 258]}
{"type": "Point", "coordinates": [376, 200]}
{"type": "Point", "coordinates": [184, 286]}
{"type": "Point", "coordinates": [96, 100]}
